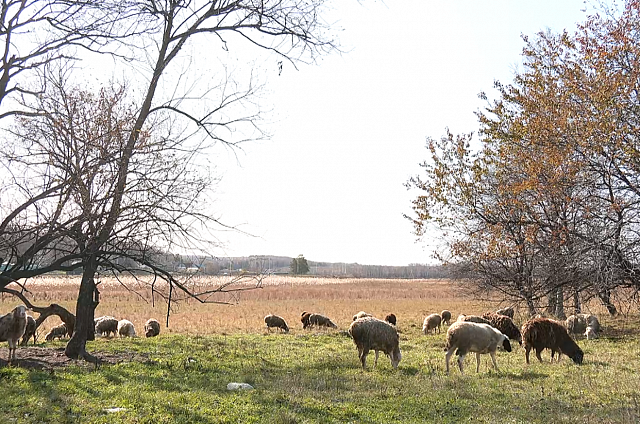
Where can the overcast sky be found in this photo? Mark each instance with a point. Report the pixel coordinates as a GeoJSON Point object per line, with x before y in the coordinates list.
{"type": "Point", "coordinates": [350, 130]}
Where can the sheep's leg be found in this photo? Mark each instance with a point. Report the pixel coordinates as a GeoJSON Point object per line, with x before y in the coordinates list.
{"type": "Point", "coordinates": [460, 360]}
{"type": "Point", "coordinates": [539, 351]}
{"type": "Point", "coordinates": [375, 363]}
{"type": "Point", "coordinates": [477, 362]}
{"type": "Point", "coordinates": [447, 357]}
{"type": "Point", "coordinates": [493, 358]}
{"type": "Point", "coordinates": [527, 350]}
{"type": "Point", "coordinates": [363, 357]}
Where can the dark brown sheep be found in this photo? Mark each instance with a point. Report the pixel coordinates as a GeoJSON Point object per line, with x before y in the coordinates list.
{"type": "Point", "coordinates": [504, 324]}
{"type": "Point", "coordinates": [391, 319]}
{"type": "Point", "coordinates": [544, 333]}
{"type": "Point", "coordinates": [304, 318]}
{"type": "Point", "coordinates": [508, 311]}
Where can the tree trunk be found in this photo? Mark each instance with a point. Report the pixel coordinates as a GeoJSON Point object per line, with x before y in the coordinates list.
{"type": "Point", "coordinates": [552, 302]}
{"type": "Point", "coordinates": [577, 306]}
{"type": "Point", "coordinates": [605, 298]}
{"type": "Point", "coordinates": [559, 312]}
{"type": "Point", "coordinates": [88, 299]}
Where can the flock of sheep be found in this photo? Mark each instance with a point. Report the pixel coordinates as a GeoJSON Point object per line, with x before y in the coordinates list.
{"type": "Point", "coordinates": [468, 334]}
{"type": "Point", "coordinates": [18, 324]}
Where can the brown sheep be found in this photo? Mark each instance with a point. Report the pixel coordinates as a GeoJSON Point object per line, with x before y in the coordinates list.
{"type": "Point", "coordinates": [391, 319]}
{"type": "Point", "coordinates": [504, 324]}
{"type": "Point", "coordinates": [30, 331]}
{"type": "Point", "coordinates": [370, 333]}
{"type": "Point", "coordinates": [274, 321]}
{"type": "Point", "coordinates": [544, 333]}
{"type": "Point", "coordinates": [321, 321]}
{"type": "Point", "coordinates": [446, 317]}
{"type": "Point", "coordinates": [304, 318]}
{"type": "Point", "coordinates": [58, 331]}
{"type": "Point", "coordinates": [508, 311]}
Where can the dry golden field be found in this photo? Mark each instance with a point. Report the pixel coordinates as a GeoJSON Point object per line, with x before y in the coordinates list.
{"type": "Point", "coordinates": [410, 300]}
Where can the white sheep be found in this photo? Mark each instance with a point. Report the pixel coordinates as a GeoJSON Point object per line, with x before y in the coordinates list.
{"type": "Point", "coordinates": [370, 333]}
{"type": "Point", "coordinates": [275, 321]}
{"type": "Point", "coordinates": [472, 337]}
{"type": "Point", "coordinates": [151, 328]}
{"type": "Point", "coordinates": [126, 328]}
{"type": "Point", "coordinates": [431, 322]}
{"type": "Point", "coordinates": [12, 327]}
{"type": "Point", "coordinates": [579, 323]}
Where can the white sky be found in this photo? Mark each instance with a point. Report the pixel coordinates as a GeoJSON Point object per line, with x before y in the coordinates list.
{"type": "Point", "coordinates": [349, 131]}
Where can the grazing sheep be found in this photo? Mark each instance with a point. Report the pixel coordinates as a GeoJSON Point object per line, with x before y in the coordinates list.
{"type": "Point", "coordinates": [472, 337]}
{"type": "Point", "coordinates": [446, 317]}
{"type": "Point", "coordinates": [151, 328]}
{"type": "Point", "coordinates": [106, 325]}
{"type": "Point", "coordinates": [309, 320]}
{"type": "Point", "coordinates": [30, 331]}
{"type": "Point", "coordinates": [391, 319]}
{"type": "Point", "coordinates": [277, 322]}
{"type": "Point", "coordinates": [370, 333]}
{"type": "Point", "coordinates": [126, 328]}
{"type": "Point", "coordinates": [472, 318]}
{"type": "Point", "coordinates": [361, 314]}
{"type": "Point", "coordinates": [58, 331]}
{"type": "Point", "coordinates": [12, 327]}
{"type": "Point", "coordinates": [579, 323]}
{"type": "Point", "coordinates": [544, 333]}
{"type": "Point", "coordinates": [305, 319]}
{"type": "Point", "coordinates": [590, 333]}
{"type": "Point", "coordinates": [504, 324]}
{"type": "Point", "coordinates": [431, 322]}
{"type": "Point", "coordinates": [508, 311]}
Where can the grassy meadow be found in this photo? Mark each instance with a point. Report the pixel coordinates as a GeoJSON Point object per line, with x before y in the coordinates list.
{"type": "Point", "coordinates": [313, 376]}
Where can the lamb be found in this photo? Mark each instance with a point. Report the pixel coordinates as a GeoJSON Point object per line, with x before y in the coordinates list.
{"type": "Point", "coordinates": [371, 333]}
{"type": "Point", "coordinates": [431, 322]}
{"type": "Point", "coordinates": [309, 320]}
{"type": "Point", "coordinates": [277, 322]}
{"type": "Point", "coordinates": [12, 327]}
{"type": "Point", "coordinates": [361, 314]}
{"type": "Point", "coordinates": [151, 328]}
{"type": "Point", "coordinates": [58, 331]}
{"type": "Point", "coordinates": [541, 333]}
{"type": "Point", "coordinates": [472, 318]}
{"type": "Point", "coordinates": [504, 324]}
{"type": "Point", "coordinates": [106, 325]}
{"type": "Point", "coordinates": [508, 311]}
{"type": "Point", "coordinates": [126, 328]}
{"type": "Point", "coordinates": [472, 337]}
{"type": "Point", "coordinates": [30, 331]}
{"type": "Point", "coordinates": [446, 317]}
{"type": "Point", "coordinates": [583, 323]}
{"type": "Point", "coordinates": [391, 319]}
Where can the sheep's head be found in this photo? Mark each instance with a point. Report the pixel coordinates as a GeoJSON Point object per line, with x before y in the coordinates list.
{"type": "Point", "coordinates": [505, 344]}
{"type": "Point", "coordinates": [396, 356]}
{"type": "Point", "coordinates": [20, 312]}
{"type": "Point", "coordinates": [578, 356]}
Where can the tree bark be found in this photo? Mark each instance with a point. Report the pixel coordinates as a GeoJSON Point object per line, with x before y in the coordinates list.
{"type": "Point", "coordinates": [559, 312]}
{"type": "Point", "coordinates": [88, 299]}
{"type": "Point", "coordinates": [605, 298]}
{"type": "Point", "coordinates": [577, 306]}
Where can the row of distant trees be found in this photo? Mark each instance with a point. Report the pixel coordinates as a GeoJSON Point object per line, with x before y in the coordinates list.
{"type": "Point", "coordinates": [543, 207]}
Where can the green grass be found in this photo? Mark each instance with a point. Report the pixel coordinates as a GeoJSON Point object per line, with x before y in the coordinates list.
{"type": "Point", "coordinates": [316, 378]}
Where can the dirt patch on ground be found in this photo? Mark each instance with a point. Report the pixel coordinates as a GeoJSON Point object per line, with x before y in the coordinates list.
{"type": "Point", "coordinates": [42, 358]}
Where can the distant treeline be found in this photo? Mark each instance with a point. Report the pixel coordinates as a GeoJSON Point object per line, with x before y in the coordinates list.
{"type": "Point", "coordinates": [281, 265]}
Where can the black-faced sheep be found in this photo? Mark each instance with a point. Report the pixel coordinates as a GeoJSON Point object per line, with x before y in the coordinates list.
{"type": "Point", "coordinates": [472, 318]}
{"type": "Point", "coordinates": [151, 328]}
{"type": "Point", "coordinates": [504, 324]}
{"type": "Point", "coordinates": [370, 333]}
{"type": "Point", "coordinates": [274, 321]}
{"type": "Point", "coordinates": [126, 328]}
{"type": "Point", "coordinates": [59, 331]}
{"type": "Point", "coordinates": [106, 325]}
{"type": "Point", "coordinates": [309, 320]}
{"type": "Point", "coordinates": [391, 319]}
{"type": "Point", "coordinates": [30, 331]}
{"type": "Point", "coordinates": [12, 327]}
{"type": "Point", "coordinates": [446, 317]}
{"type": "Point", "coordinates": [508, 311]}
{"type": "Point", "coordinates": [472, 337]}
{"type": "Point", "coordinates": [431, 322]}
{"type": "Point", "coordinates": [586, 324]}
{"type": "Point", "coordinates": [544, 333]}
{"type": "Point", "coordinates": [361, 314]}
{"type": "Point", "coordinates": [304, 318]}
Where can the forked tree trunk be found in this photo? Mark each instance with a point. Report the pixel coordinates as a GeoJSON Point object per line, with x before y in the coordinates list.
{"type": "Point", "coordinates": [605, 297]}
{"type": "Point", "coordinates": [88, 299]}
{"type": "Point", "coordinates": [559, 312]}
{"type": "Point", "coordinates": [577, 306]}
